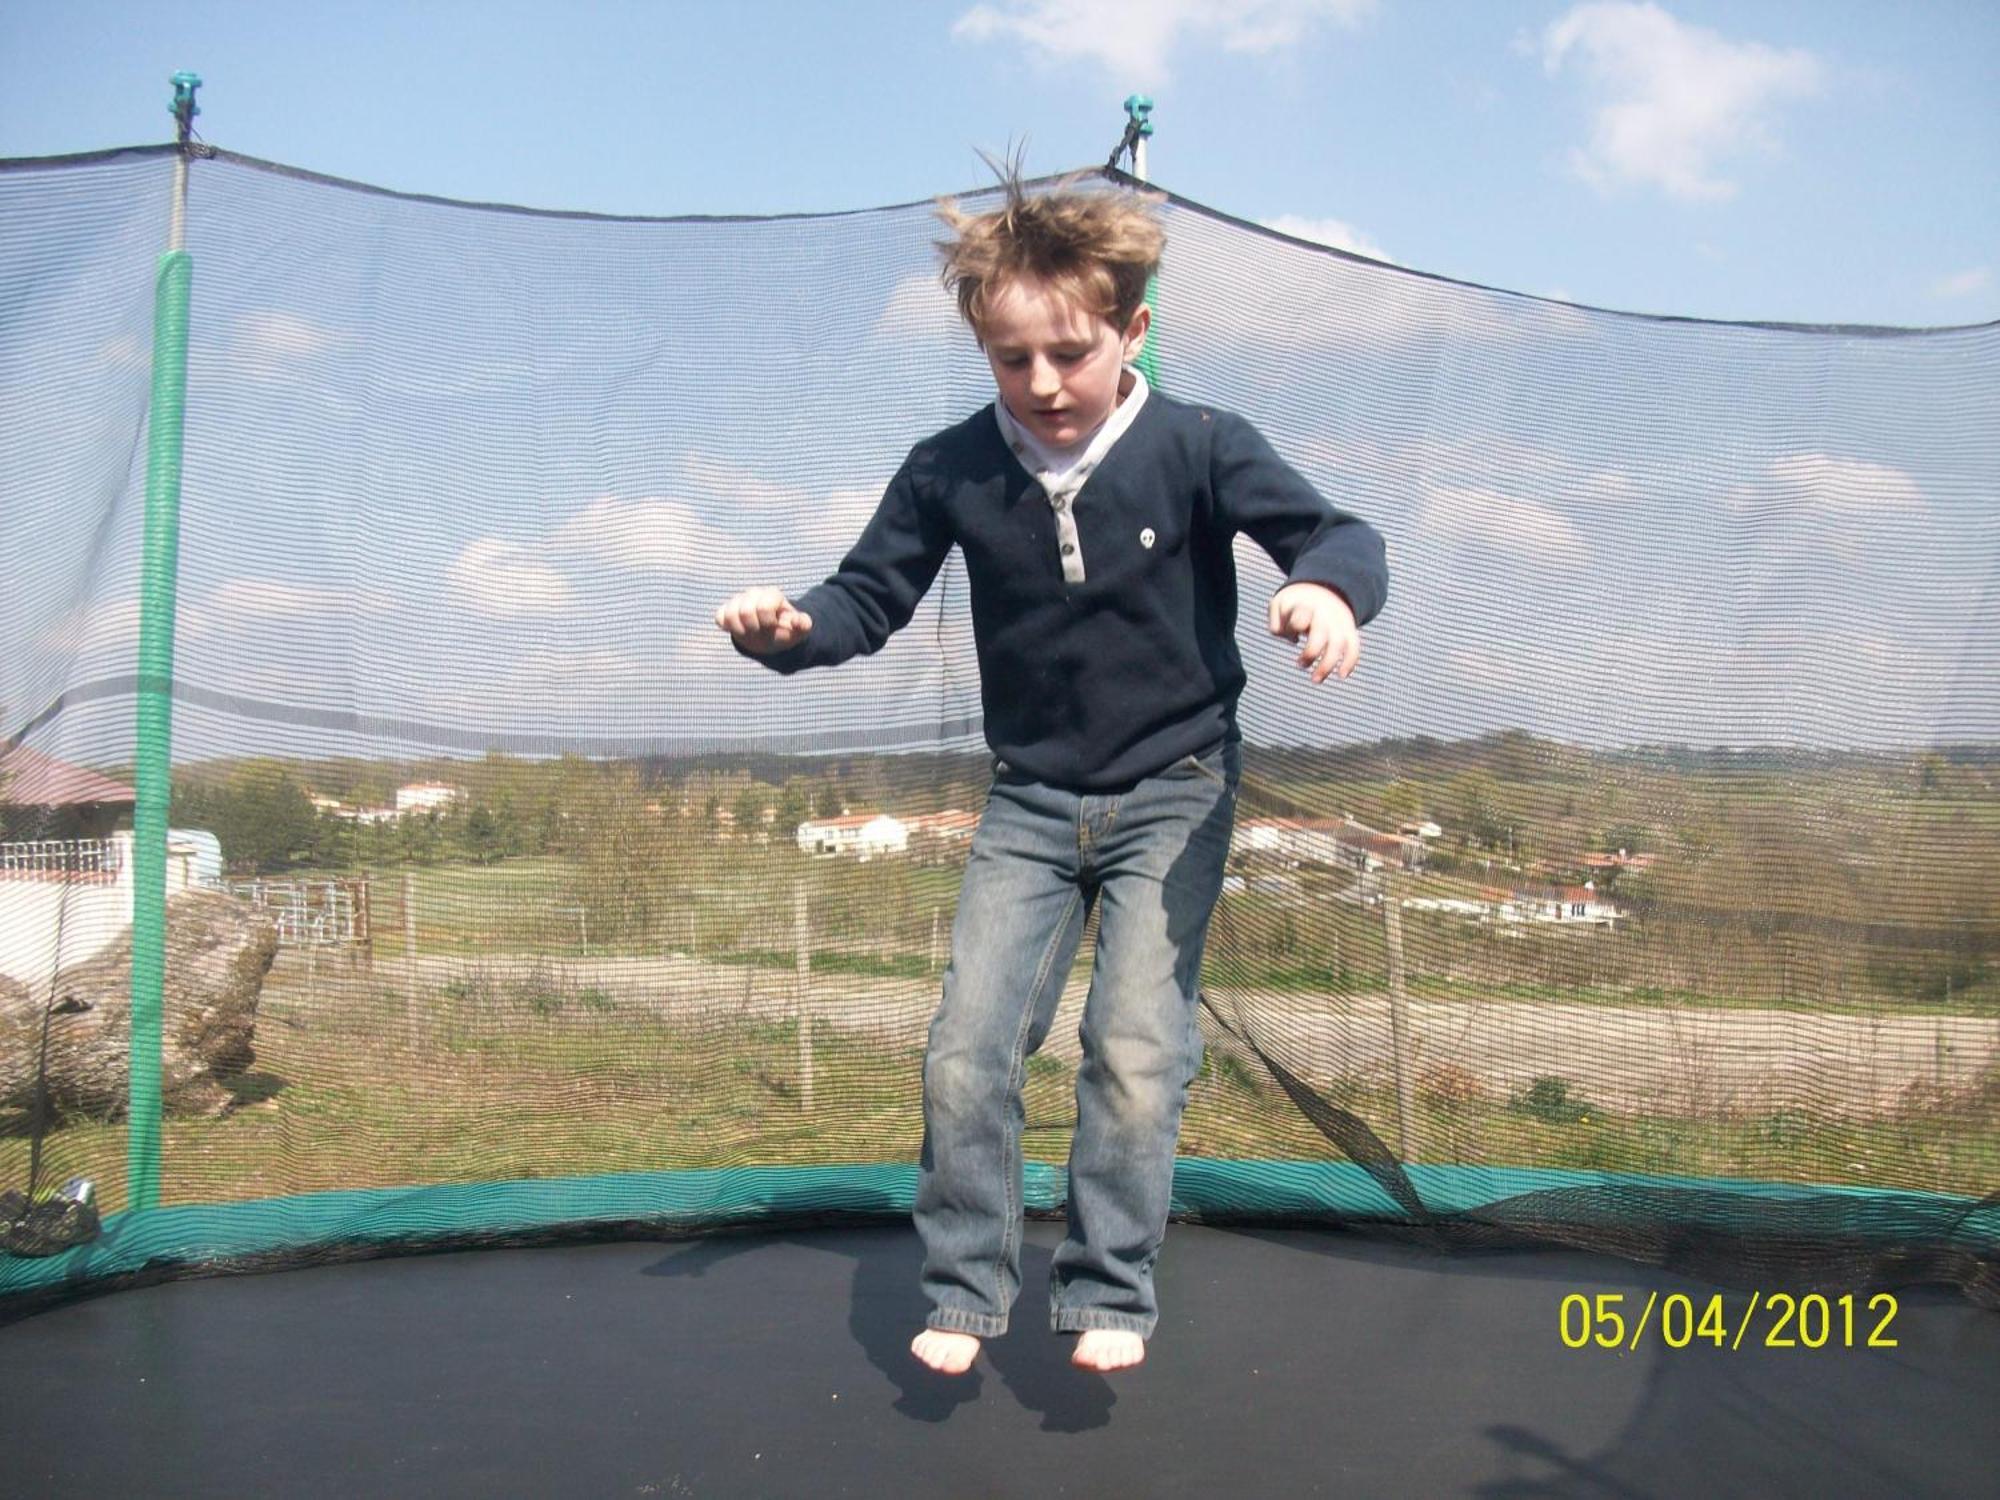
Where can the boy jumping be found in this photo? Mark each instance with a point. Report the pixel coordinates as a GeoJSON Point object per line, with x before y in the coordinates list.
{"type": "Point", "coordinates": [1095, 516]}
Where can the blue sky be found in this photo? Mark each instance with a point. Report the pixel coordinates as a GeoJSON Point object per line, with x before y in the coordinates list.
{"type": "Point", "coordinates": [460, 479]}
{"type": "Point", "coordinates": [1802, 160]}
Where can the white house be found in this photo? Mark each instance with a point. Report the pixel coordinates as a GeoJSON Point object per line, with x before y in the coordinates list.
{"type": "Point", "coordinates": [423, 796]}
{"type": "Point", "coordinates": [415, 797]}
{"type": "Point", "coordinates": [1572, 906]}
{"type": "Point", "coordinates": [863, 835]}
{"type": "Point", "coordinates": [1451, 906]}
{"type": "Point", "coordinates": [1579, 905]}
{"type": "Point", "coordinates": [1339, 842]}
{"type": "Point", "coordinates": [334, 807]}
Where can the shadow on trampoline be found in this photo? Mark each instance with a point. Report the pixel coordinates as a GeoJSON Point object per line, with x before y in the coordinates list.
{"type": "Point", "coordinates": [887, 1310]}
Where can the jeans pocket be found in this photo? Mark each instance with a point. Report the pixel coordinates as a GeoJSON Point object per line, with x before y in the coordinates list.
{"type": "Point", "coordinates": [1195, 765]}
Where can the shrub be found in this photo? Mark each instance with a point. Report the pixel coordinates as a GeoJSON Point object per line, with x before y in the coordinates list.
{"type": "Point", "coordinates": [1449, 1086]}
{"type": "Point", "coordinates": [1549, 1100]}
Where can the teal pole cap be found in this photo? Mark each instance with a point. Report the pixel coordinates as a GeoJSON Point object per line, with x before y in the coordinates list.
{"type": "Point", "coordinates": [184, 107]}
{"type": "Point", "coordinates": [1138, 109]}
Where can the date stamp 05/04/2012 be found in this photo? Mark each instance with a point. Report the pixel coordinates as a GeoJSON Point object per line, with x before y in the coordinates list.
{"type": "Point", "coordinates": [1767, 1320]}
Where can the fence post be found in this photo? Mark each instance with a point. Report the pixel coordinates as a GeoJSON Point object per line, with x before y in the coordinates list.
{"type": "Point", "coordinates": [802, 940]}
{"type": "Point", "coordinates": [410, 954]}
{"type": "Point", "coordinates": [364, 940]}
{"type": "Point", "coordinates": [1399, 1018]}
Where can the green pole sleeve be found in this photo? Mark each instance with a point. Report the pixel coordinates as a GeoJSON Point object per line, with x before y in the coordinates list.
{"type": "Point", "coordinates": [1146, 364]}
{"type": "Point", "coordinates": [153, 775]}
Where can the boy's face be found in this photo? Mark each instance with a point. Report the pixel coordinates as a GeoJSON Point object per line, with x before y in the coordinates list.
{"type": "Point", "coordinates": [1057, 364]}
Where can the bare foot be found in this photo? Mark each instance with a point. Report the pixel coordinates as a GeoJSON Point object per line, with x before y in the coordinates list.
{"type": "Point", "coordinates": [1107, 1349]}
{"type": "Point", "coordinates": [947, 1353]}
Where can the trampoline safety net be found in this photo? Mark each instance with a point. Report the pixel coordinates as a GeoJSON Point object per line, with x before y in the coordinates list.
{"type": "Point", "coordinates": [1641, 892]}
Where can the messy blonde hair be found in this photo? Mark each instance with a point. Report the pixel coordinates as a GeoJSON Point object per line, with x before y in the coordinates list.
{"type": "Point", "coordinates": [1097, 247]}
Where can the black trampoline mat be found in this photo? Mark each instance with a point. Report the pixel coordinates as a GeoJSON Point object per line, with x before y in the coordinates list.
{"type": "Point", "coordinates": [1286, 1363]}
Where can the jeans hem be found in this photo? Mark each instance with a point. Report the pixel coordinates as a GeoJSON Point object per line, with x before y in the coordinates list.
{"type": "Point", "coordinates": [957, 1320]}
{"type": "Point", "coordinates": [1089, 1319]}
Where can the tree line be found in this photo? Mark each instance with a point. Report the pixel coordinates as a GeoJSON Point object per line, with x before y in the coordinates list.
{"type": "Point", "coordinates": [1826, 874]}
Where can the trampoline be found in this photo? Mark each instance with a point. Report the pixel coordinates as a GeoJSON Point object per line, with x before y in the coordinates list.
{"type": "Point", "coordinates": [495, 1045]}
{"type": "Point", "coordinates": [1287, 1363]}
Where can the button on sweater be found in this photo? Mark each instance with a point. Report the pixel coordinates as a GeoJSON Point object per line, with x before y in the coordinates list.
{"type": "Point", "coordinates": [1096, 683]}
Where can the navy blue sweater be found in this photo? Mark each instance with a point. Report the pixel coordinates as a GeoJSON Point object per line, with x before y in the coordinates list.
{"type": "Point", "coordinates": [1093, 685]}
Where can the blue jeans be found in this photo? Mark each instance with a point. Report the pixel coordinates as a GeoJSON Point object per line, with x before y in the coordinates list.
{"type": "Point", "coordinates": [1153, 857]}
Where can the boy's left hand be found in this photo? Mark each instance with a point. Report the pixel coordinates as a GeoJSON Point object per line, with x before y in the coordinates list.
{"type": "Point", "coordinates": [1315, 613]}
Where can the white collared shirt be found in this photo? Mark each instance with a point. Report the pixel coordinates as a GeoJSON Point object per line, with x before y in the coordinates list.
{"type": "Point", "coordinates": [1064, 471]}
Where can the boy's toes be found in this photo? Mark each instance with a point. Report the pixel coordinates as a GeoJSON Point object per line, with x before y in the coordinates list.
{"type": "Point", "coordinates": [946, 1352]}
{"type": "Point", "coordinates": [1107, 1349]}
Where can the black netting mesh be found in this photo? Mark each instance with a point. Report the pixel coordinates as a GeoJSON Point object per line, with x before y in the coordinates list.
{"type": "Point", "coordinates": [1642, 890]}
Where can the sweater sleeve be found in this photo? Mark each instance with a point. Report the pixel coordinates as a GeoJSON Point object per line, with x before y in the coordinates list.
{"type": "Point", "coordinates": [878, 585]}
{"type": "Point", "coordinates": [1256, 491]}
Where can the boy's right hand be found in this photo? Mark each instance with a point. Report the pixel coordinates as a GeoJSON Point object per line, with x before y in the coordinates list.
{"type": "Point", "coordinates": [763, 621]}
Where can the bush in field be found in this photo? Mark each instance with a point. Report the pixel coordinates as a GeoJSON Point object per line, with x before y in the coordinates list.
{"type": "Point", "coordinates": [1448, 1086]}
{"type": "Point", "coordinates": [539, 991]}
{"type": "Point", "coordinates": [1229, 1069]}
{"type": "Point", "coordinates": [1549, 1100]}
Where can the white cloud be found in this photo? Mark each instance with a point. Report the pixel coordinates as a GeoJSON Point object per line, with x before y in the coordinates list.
{"type": "Point", "coordinates": [649, 535]}
{"type": "Point", "coordinates": [811, 520]}
{"type": "Point", "coordinates": [505, 580]}
{"type": "Point", "coordinates": [1844, 484]}
{"type": "Point", "coordinates": [1674, 100]}
{"type": "Point", "coordinates": [717, 528]}
{"type": "Point", "coordinates": [1356, 307]}
{"type": "Point", "coordinates": [919, 308]}
{"type": "Point", "coordinates": [279, 335]}
{"type": "Point", "coordinates": [1135, 39]}
{"type": "Point", "coordinates": [1435, 464]}
{"type": "Point", "coordinates": [1334, 232]}
{"type": "Point", "coordinates": [273, 346]}
{"type": "Point", "coordinates": [1811, 511]}
{"type": "Point", "coordinates": [1964, 284]}
{"type": "Point", "coordinates": [1491, 520]}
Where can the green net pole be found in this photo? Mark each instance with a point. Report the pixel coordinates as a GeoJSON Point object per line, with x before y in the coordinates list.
{"type": "Point", "coordinates": [1146, 364]}
{"type": "Point", "coordinates": [153, 774]}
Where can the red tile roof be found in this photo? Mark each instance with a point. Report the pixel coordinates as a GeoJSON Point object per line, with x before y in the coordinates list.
{"type": "Point", "coordinates": [29, 778]}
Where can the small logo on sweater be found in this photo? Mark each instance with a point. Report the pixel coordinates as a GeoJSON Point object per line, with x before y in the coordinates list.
{"type": "Point", "coordinates": [1146, 537]}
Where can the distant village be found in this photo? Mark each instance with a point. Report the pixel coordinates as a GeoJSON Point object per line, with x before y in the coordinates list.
{"type": "Point", "coordinates": [1261, 851]}
{"type": "Point", "coordinates": [1268, 855]}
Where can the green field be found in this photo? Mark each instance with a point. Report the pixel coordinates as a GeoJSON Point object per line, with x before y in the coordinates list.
{"type": "Point", "coordinates": [894, 919]}
{"type": "Point", "coordinates": [486, 1079]}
